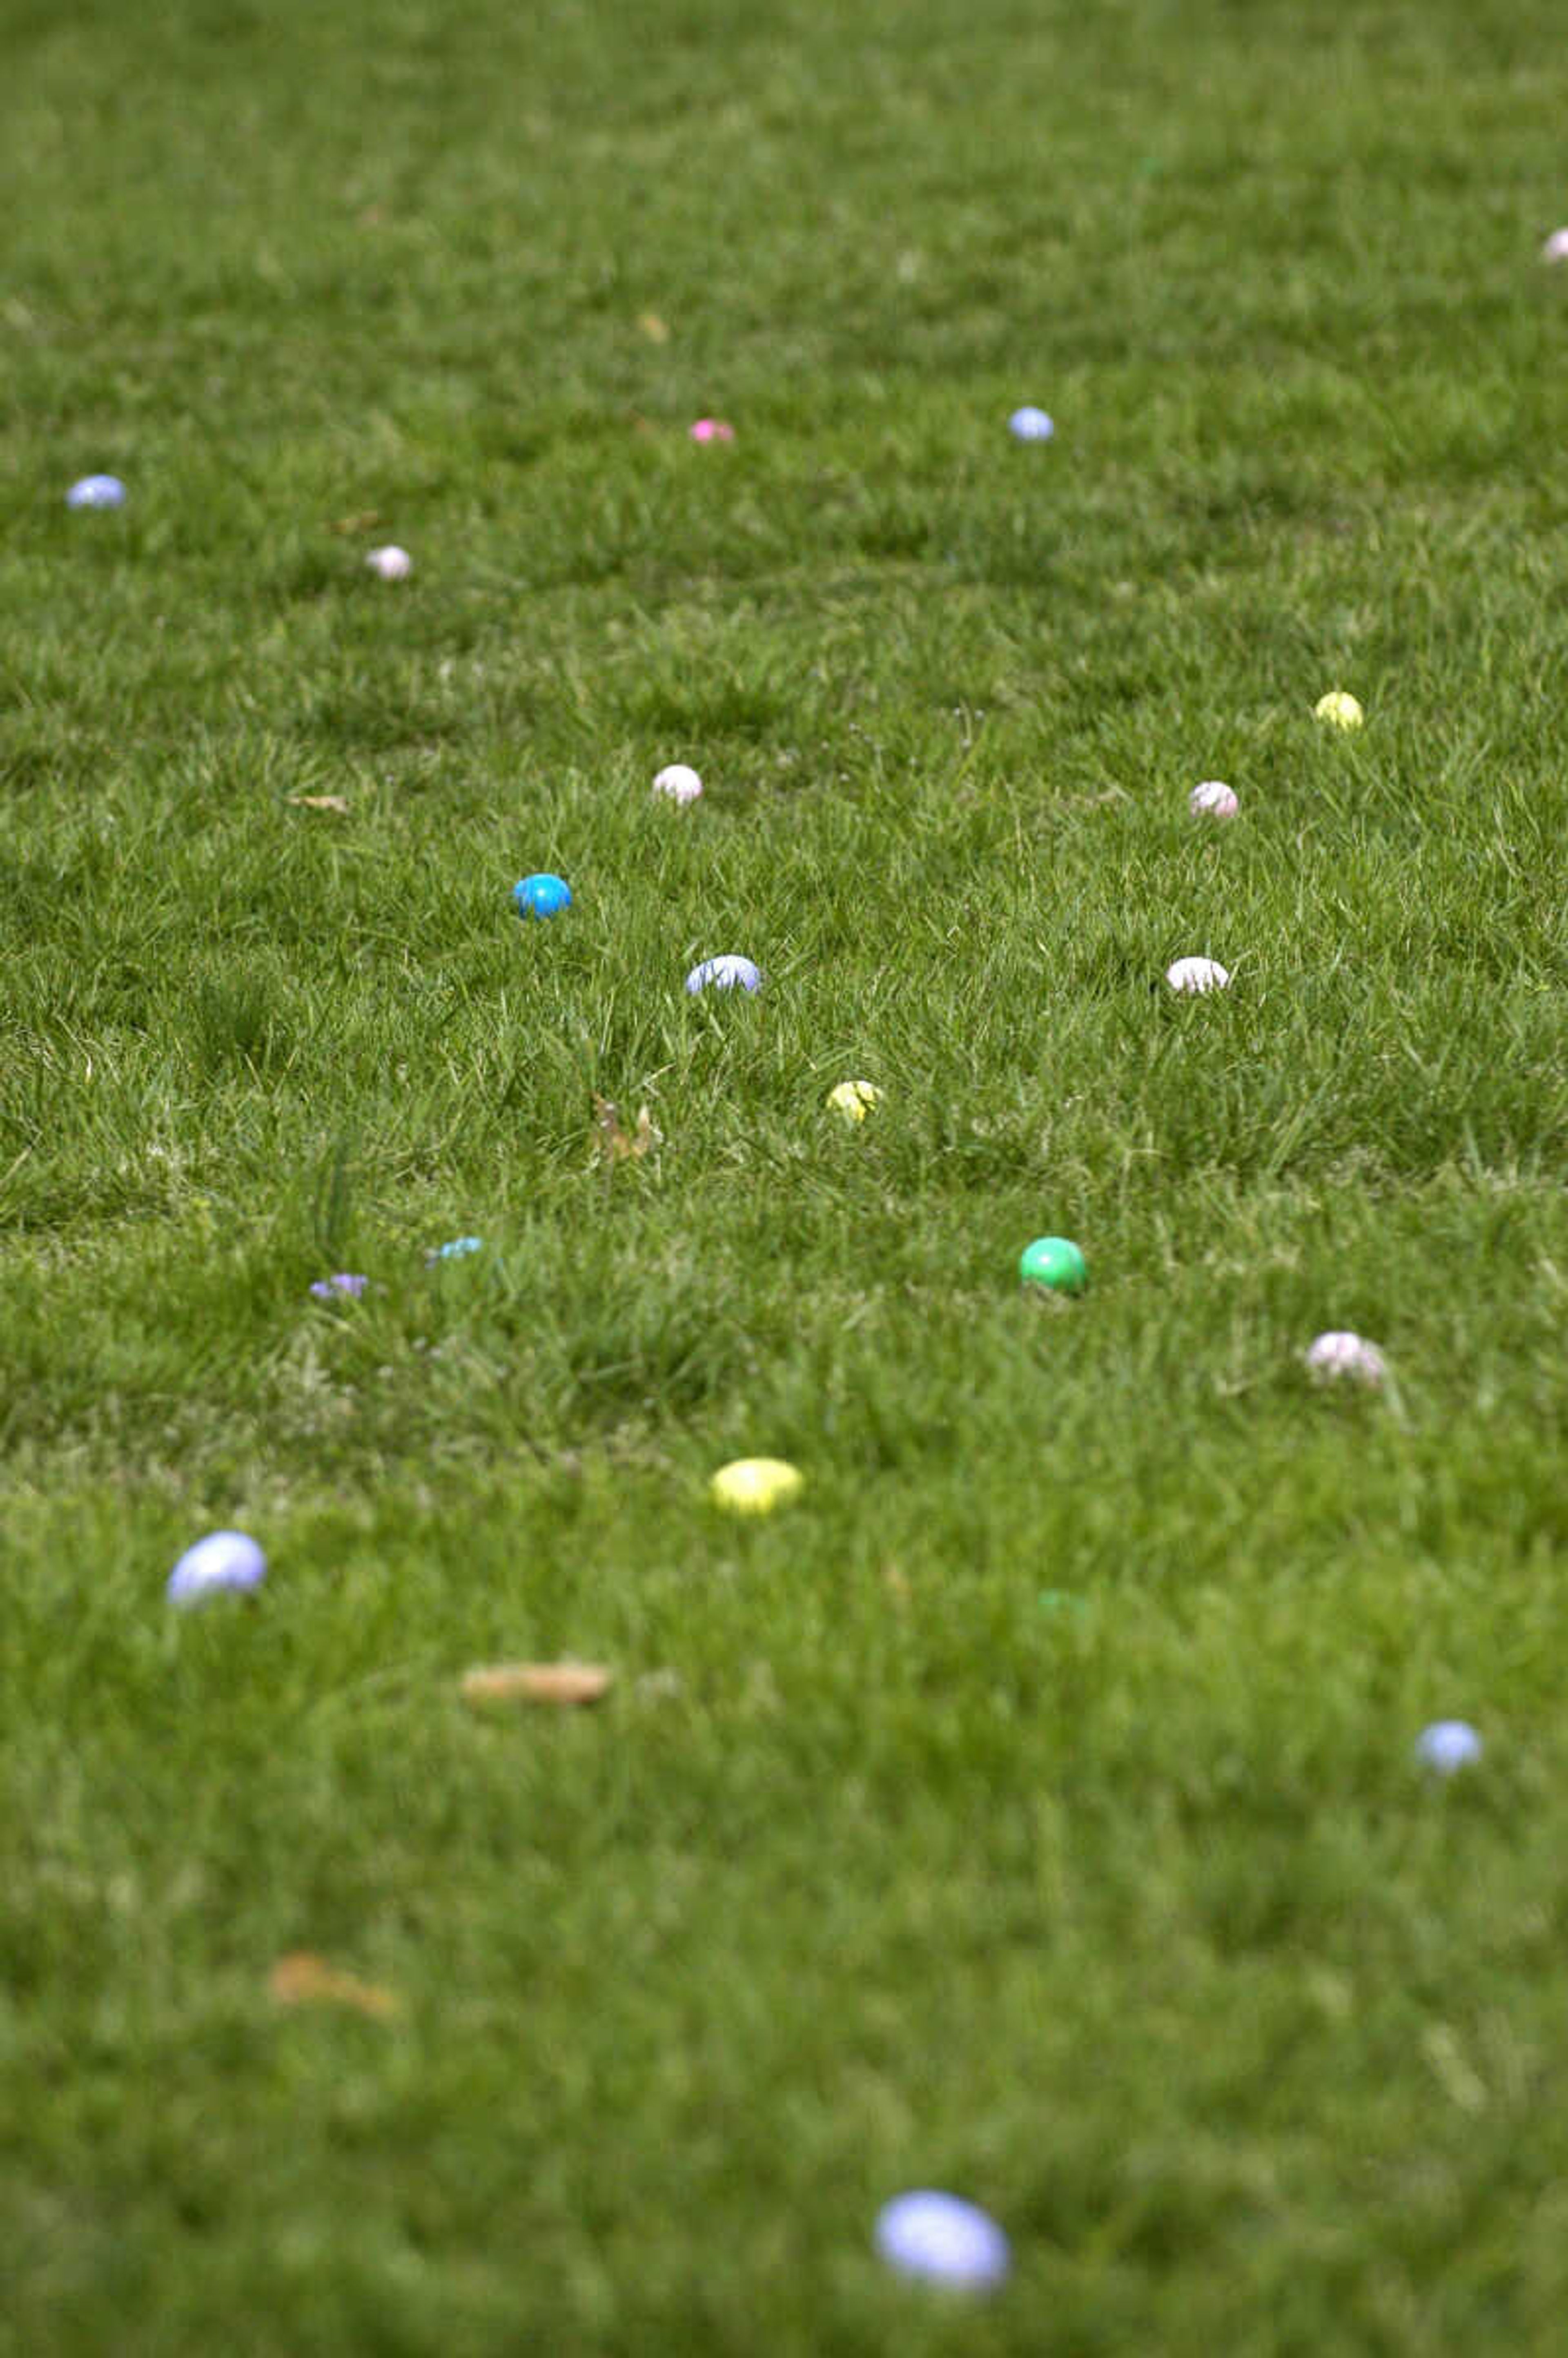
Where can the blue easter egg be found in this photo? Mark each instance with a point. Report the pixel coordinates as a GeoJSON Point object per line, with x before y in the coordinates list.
{"type": "Point", "coordinates": [540, 896]}
{"type": "Point", "coordinates": [96, 491]}
{"type": "Point", "coordinates": [724, 974]}
{"type": "Point", "coordinates": [222, 1561]}
{"type": "Point", "coordinates": [944, 2239]}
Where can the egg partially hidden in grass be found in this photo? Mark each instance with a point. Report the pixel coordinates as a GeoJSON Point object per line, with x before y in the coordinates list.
{"type": "Point", "coordinates": [1197, 975]}
{"type": "Point", "coordinates": [96, 491]}
{"type": "Point", "coordinates": [1339, 1356]}
{"type": "Point", "coordinates": [756, 1485]}
{"type": "Point", "coordinates": [724, 974]}
{"type": "Point", "coordinates": [224, 1562]}
{"type": "Point", "coordinates": [541, 895]}
{"type": "Point", "coordinates": [854, 1099]}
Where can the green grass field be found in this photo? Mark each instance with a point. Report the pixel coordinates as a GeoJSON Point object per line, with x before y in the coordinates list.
{"type": "Point", "coordinates": [1032, 1809]}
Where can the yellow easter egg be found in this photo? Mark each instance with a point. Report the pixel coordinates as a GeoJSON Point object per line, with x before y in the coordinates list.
{"type": "Point", "coordinates": [756, 1485]}
{"type": "Point", "coordinates": [854, 1099]}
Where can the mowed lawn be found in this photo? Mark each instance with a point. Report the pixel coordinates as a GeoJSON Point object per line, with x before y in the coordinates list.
{"type": "Point", "coordinates": [1032, 1809]}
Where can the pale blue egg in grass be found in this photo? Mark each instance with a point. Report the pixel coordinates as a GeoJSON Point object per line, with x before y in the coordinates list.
{"type": "Point", "coordinates": [344, 1284]}
{"type": "Point", "coordinates": [96, 491]}
{"type": "Point", "coordinates": [1031, 425]}
{"type": "Point", "coordinates": [224, 1562]}
{"type": "Point", "coordinates": [943, 2240]}
{"type": "Point", "coordinates": [541, 895]}
{"type": "Point", "coordinates": [1448, 1745]}
{"type": "Point", "coordinates": [724, 974]}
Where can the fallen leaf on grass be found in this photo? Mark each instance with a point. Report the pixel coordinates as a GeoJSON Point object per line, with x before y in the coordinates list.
{"type": "Point", "coordinates": [614, 1141]}
{"type": "Point", "coordinates": [556, 1682]}
{"type": "Point", "coordinates": [366, 521]}
{"type": "Point", "coordinates": [321, 802]}
{"type": "Point", "coordinates": [302, 1978]}
{"type": "Point", "coordinates": [653, 326]}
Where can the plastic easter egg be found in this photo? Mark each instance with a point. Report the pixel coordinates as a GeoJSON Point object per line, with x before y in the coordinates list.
{"type": "Point", "coordinates": [1197, 975]}
{"type": "Point", "coordinates": [942, 2239]}
{"type": "Point", "coordinates": [540, 896]}
{"type": "Point", "coordinates": [756, 1485]}
{"type": "Point", "coordinates": [1448, 1745]}
{"type": "Point", "coordinates": [96, 491]}
{"type": "Point", "coordinates": [1339, 1356]}
{"type": "Point", "coordinates": [344, 1285]}
{"type": "Point", "coordinates": [724, 974]}
{"type": "Point", "coordinates": [1054, 1262]}
{"type": "Point", "coordinates": [224, 1562]}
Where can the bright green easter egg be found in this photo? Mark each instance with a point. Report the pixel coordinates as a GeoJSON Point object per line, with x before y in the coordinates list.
{"type": "Point", "coordinates": [1054, 1261]}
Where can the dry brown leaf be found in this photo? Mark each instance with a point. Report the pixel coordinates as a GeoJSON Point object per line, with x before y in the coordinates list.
{"type": "Point", "coordinates": [302, 1978]}
{"type": "Point", "coordinates": [653, 326]}
{"type": "Point", "coordinates": [556, 1682]}
{"type": "Point", "coordinates": [614, 1141]}
{"type": "Point", "coordinates": [321, 802]}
